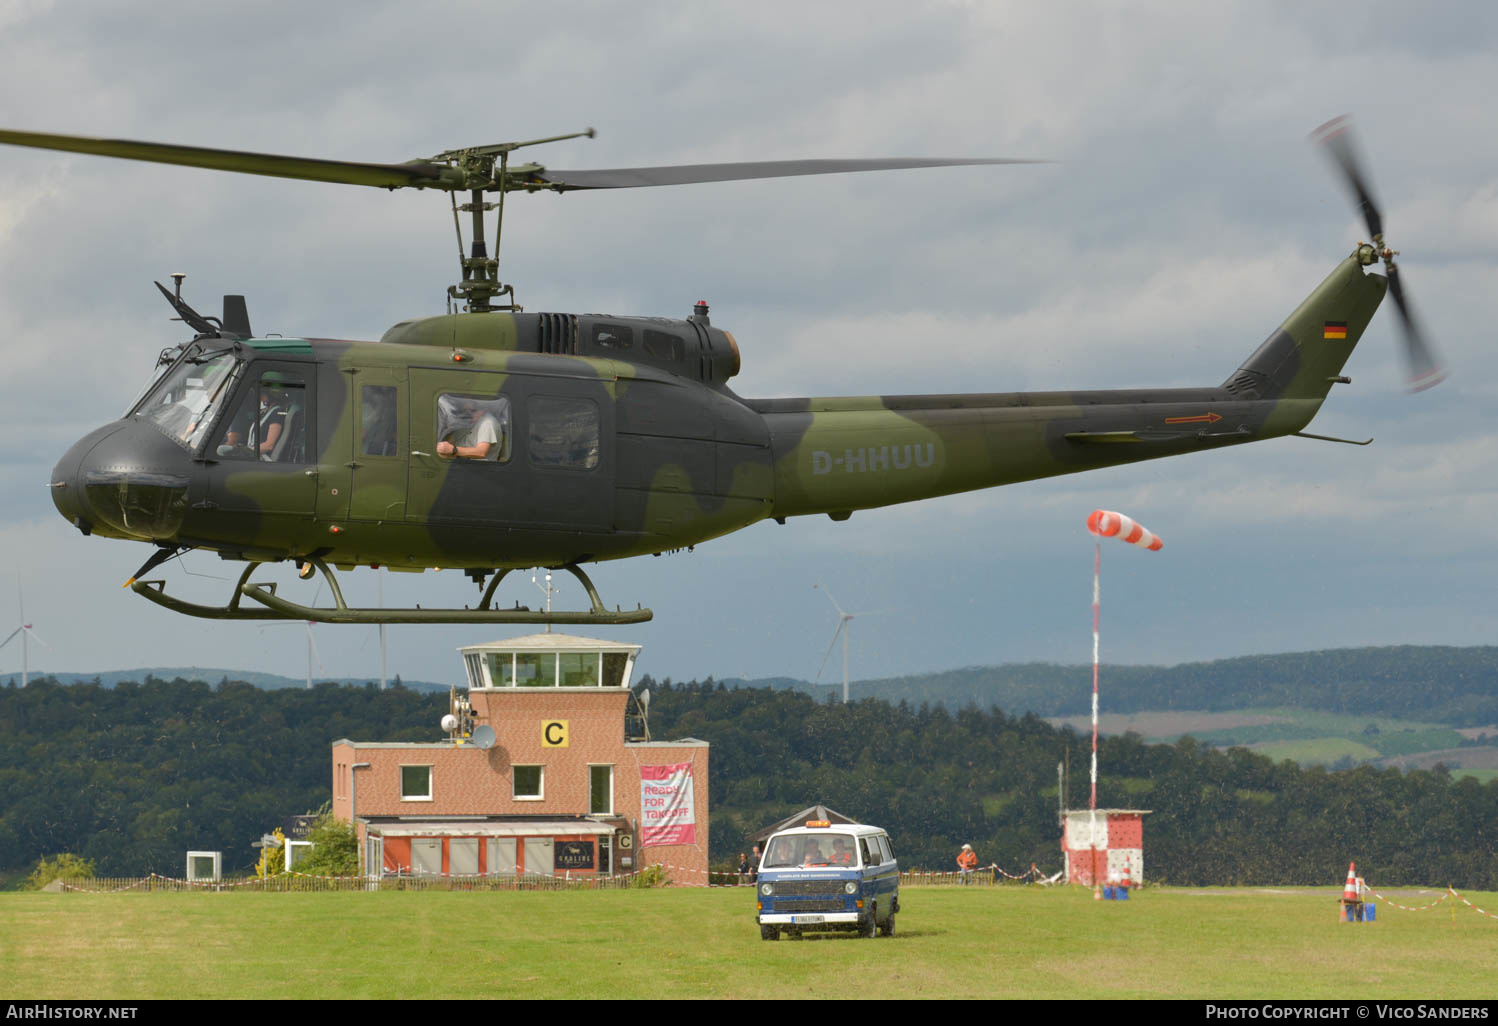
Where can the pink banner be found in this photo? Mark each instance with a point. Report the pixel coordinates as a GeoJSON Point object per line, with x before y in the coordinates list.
{"type": "Point", "coordinates": [668, 813]}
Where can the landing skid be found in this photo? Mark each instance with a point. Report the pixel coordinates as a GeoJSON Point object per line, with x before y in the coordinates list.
{"type": "Point", "coordinates": [270, 606]}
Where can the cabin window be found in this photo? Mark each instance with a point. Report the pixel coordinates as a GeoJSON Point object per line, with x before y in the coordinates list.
{"type": "Point", "coordinates": [564, 433]}
{"type": "Point", "coordinates": [664, 346]}
{"type": "Point", "coordinates": [377, 432]}
{"type": "Point", "coordinates": [477, 426]}
{"type": "Point", "coordinates": [270, 423]}
{"type": "Point", "coordinates": [614, 336]}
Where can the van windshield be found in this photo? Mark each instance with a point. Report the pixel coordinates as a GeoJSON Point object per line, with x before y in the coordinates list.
{"type": "Point", "coordinates": [819, 848]}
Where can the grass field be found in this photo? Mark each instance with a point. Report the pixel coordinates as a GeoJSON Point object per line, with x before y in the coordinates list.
{"type": "Point", "coordinates": [1011, 942]}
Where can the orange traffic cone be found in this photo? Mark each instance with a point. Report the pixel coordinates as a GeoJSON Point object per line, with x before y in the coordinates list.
{"type": "Point", "coordinates": [1348, 910]}
{"type": "Point", "coordinates": [1127, 881]}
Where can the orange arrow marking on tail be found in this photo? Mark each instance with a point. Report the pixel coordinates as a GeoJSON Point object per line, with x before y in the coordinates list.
{"type": "Point", "coordinates": [1203, 418]}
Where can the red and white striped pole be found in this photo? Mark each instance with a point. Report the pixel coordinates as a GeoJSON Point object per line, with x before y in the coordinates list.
{"type": "Point", "coordinates": [1106, 524]}
{"type": "Point", "coordinates": [1097, 567]}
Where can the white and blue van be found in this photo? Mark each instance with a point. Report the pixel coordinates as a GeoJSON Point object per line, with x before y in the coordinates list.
{"type": "Point", "coordinates": [824, 877]}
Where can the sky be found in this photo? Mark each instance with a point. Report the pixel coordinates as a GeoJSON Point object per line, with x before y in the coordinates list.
{"type": "Point", "coordinates": [1183, 216]}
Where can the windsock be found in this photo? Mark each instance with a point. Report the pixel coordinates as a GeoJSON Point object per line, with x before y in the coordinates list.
{"type": "Point", "coordinates": [1108, 524]}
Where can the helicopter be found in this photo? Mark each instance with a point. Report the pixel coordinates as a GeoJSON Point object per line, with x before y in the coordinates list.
{"type": "Point", "coordinates": [489, 439]}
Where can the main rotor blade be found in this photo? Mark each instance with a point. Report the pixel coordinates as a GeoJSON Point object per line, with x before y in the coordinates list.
{"type": "Point", "coordinates": [1425, 370]}
{"type": "Point", "coordinates": [36, 638]}
{"type": "Point", "coordinates": [691, 174]}
{"type": "Point", "coordinates": [417, 174]}
{"type": "Point", "coordinates": [1336, 136]}
{"type": "Point", "coordinates": [11, 637]}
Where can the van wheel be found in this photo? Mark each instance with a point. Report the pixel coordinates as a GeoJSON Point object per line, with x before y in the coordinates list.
{"type": "Point", "coordinates": [769, 933]}
{"type": "Point", "coordinates": [866, 928]}
{"type": "Point", "coordinates": [888, 928]}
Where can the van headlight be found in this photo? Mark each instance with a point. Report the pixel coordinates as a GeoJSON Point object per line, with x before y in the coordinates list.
{"type": "Point", "coordinates": [851, 887]}
{"type": "Point", "coordinates": [766, 889]}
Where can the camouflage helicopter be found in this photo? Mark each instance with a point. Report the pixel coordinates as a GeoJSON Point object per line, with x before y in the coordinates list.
{"type": "Point", "coordinates": [489, 439]}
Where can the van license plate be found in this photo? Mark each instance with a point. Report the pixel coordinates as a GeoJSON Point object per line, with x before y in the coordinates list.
{"type": "Point", "coordinates": [808, 919]}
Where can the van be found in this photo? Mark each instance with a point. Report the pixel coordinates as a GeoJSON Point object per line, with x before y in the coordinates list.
{"type": "Point", "coordinates": [822, 877]}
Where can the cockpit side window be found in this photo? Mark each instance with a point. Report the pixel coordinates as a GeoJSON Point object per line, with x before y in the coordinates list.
{"type": "Point", "coordinates": [270, 422]}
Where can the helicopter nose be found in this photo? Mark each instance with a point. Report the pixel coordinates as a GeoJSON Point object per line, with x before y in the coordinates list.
{"type": "Point", "coordinates": [124, 480]}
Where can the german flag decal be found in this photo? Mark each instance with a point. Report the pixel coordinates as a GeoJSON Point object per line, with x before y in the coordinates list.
{"type": "Point", "coordinates": [1334, 329]}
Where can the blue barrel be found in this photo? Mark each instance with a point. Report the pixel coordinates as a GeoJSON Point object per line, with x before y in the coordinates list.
{"type": "Point", "coordinates": [1370, 912]}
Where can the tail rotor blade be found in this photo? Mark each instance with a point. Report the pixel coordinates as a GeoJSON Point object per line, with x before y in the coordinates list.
{"type": "Point", "coordinates": [1336, 136]}
{"type": "Point", "coordinates": [1425, 370]}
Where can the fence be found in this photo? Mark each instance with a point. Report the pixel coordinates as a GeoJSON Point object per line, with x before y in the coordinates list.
{"type": "Point", "coordinates": [299, 882]}
{"type": "Point", "coordinates": [650, 876]}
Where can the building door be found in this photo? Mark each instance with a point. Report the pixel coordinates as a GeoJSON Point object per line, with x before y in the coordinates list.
{"type": "Point", "coordinates": [538, 856]}
{"type": "Point", "coordinates": [463, 856]}
{"type": "Point", "coordinates": [374, 855]}
{"type": "Point", "coordinates": [501, 855]}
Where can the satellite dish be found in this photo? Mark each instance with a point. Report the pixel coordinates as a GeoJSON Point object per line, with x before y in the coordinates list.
{"type": "Point", "coordinates": [449, 723]}
{"type": "Point", "coordinates": [484, 737]}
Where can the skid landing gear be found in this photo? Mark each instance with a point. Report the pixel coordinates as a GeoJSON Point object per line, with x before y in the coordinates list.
{"type": "Point", "coordinates": [267, 605]}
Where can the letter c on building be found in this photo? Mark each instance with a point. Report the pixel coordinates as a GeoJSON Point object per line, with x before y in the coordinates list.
{"type": "Point", "coordinates": [554, 734]}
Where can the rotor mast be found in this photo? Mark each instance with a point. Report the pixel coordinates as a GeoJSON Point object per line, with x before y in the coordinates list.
{"type": "Point", "coordinates": [481, 284]}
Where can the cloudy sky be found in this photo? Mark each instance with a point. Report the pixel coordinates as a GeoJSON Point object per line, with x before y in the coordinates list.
{"type": "Point", "coordinates": [1185, 215]}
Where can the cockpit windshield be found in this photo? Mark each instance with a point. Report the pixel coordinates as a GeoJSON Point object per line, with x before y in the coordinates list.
{"type": "Point", "coordinates": [183, 403]}
{"type": "Point", "coordinates": [811, 849]}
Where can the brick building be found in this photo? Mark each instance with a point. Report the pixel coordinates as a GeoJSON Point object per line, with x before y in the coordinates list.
{"type": "Point", "coordinates": [546, 768]}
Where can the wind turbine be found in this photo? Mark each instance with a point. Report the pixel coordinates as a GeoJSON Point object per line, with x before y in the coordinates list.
{"type": "Point", "coordinates": [842, 628]}
{"type": "Point", "coordinates": [25, 632]}
{"type": "Point", "coordinates": [312, 652]}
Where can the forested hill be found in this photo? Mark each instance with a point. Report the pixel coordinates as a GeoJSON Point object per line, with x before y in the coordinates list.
{"type": "Point", "coordinates": [1457, 686]}
{"type": "Point", "coordinates": [268, 681]}
{"type": "Point", "coordinates": [136, 775]}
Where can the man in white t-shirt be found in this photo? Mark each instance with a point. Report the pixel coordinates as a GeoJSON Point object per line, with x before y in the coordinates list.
{"type": "Point", "coordinates": [479, 442]}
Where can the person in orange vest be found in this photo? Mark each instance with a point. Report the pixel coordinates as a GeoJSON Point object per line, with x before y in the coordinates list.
{"type": "Point", "coordinates": [967, 861]}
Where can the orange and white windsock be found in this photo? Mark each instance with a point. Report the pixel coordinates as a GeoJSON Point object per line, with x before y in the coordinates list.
{"type": "Point", "coordinates": [1107, 524]}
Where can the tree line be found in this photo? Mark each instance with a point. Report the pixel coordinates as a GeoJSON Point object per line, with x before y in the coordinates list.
{"type": "Point", "coordinates": [132, 777]}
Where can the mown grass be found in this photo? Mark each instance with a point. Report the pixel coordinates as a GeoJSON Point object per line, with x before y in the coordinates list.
{"type": "Point", "coordinates": [690, 943]}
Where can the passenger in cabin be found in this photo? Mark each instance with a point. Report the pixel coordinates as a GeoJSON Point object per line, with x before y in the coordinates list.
{"type": "Point", "coordinates": [841, 855]}
{"type": "Point", "coordinates": [478, 441]}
